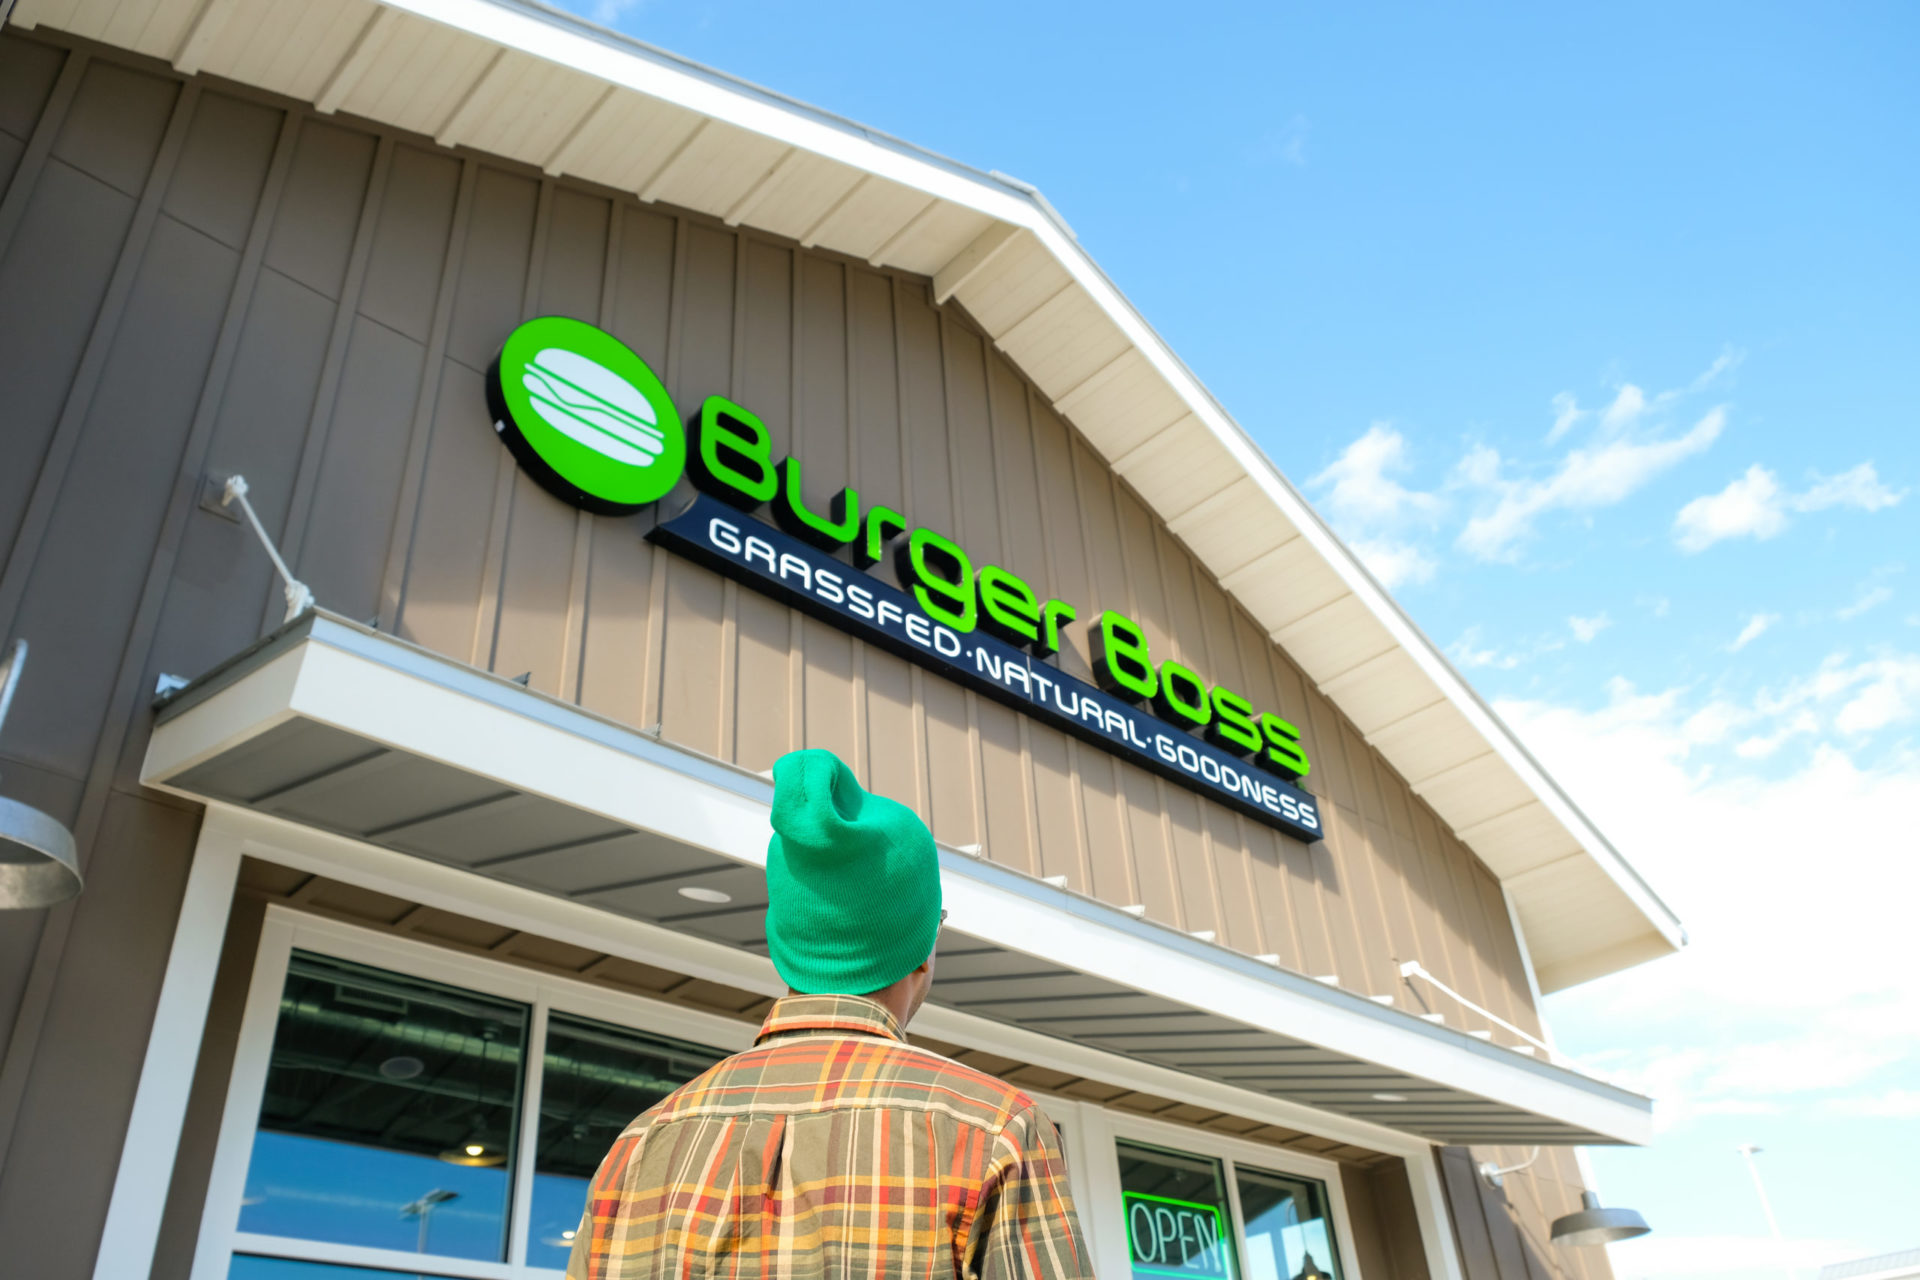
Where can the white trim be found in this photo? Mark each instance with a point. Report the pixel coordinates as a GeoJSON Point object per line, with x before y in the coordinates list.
{"type": "Point", "coordinates": [466, 893]}
{"type": "Point", "coordinates": [520, 1222]}
{"type": "Point", "coordinates": [227, 1182]}
{"type": "Point", "coordinates": [1232, 1152]}
{"type": "Point", "coordinates": [140, 1185]}
{"type": "Point", "coordinates": [1435, 1216]}
{"type": "Point", "coordinates": [1526, 965]}
{"type": "Point", "coordinates": [403, 1265]}
{"type": "Point", "coordinates": [415, 702]}
{"type": "Point", "coordinates": [287, 929]}
{"type": "Point", "coordinates": [1092, 1129]}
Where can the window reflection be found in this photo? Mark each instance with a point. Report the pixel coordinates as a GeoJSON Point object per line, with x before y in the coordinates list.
{"type": "Point", "coordinates": [1178, 1219]}
{"type": "Point", "coordinates": [251, 1268]}
{"type": "Point", "coordinates": [389, 1115]}
{"type": "Point", "coordinates": [596, 1078]}
{"type": "Point", "coordinates": [1289, 1231]}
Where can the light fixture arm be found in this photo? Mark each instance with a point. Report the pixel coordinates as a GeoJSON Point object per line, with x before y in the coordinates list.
{"type": "Point", "coordinates": [1496, 1175]}
{"type": "Point", "coordinates": [299, 597]}
{"type": "Point", "coordinates": [1414, 969]}
{"type": "Point", "coordinates": [10, 676]}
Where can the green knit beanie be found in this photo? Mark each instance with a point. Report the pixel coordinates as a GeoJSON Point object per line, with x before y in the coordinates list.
{"type": "Point", "coordinates": [853, 881]}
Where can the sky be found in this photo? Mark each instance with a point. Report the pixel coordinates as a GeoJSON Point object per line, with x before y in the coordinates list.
{"type": "Point", "coordinates": [1595, 331]}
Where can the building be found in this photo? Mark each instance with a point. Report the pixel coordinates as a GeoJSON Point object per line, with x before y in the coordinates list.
{"type": "Point", "coordinates": [395, 912]}
{"type": "Point", "coordinates": [1887, 1266]}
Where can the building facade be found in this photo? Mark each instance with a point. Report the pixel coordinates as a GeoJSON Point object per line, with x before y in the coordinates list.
{"type": "Point", "coordinates": [397, 910]}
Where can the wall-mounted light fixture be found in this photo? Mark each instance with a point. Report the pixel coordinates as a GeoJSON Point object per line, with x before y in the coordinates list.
{"type": "Point", "coordinates": [1594, 1225]}
{"type": "Point", "coordinates": [39, 865]}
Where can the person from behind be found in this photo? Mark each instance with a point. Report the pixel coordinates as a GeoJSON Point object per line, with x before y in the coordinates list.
{"type": "Point", "coordinates": [833, 1148]}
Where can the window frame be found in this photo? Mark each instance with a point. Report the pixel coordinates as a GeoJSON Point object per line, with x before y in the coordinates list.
{"type": "Point", "coordinates": [285, 931]}
{"type": "Point", "coordinates": [1092, 1130]}
{"type": "Point", "coordinates": [1093, 1162]}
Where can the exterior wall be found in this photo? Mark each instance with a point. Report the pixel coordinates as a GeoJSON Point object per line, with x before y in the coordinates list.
{"type": "Point", "coordinates": [197, 279]}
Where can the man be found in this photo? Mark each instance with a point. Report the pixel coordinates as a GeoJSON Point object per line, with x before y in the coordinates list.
{"type": "Point", "coordinates": [832, 1148]}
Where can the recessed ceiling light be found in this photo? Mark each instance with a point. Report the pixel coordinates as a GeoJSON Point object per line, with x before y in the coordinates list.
{"type": "Point", "coordinates": [402, 1067]}
{"type": "Point", "coordinates": [700, 893]}
{"type": "Point", "coordinates": [1389, 1097]}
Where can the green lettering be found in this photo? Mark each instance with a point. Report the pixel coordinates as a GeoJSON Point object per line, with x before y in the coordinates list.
{"type": "Point", "coordinates": [942, 578]}
{"type": "Point", "coordinates": [791, 513]}
{"type": "Point", "coordinates": [1284, 754]}
{"type": "Point", "coordinates": [1183, 696]}
{"type": "Point", "coordinates": [884, 524]}
{"type": "Point", "coordinates": [1120, 661]}
{"type": "Point", "coordinates": [1011, 612]}
{"type": "Point", "coordinates": [1056, 612]}
{"type": "Point", "coordinates": [1233, 726]}
{"type": "Point", "coordinates": [735, 459]}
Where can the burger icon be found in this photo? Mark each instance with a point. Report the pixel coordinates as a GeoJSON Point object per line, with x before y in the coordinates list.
{"type": "Point", "coordinates": [594, 405]}
{"type": "Point", "coordinates": [585, 416]}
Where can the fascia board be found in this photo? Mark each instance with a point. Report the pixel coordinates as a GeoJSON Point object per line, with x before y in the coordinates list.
{"type": "Point", "coordinates": [562, 39]}
{"type": "Point", "coordinates": [416, 701]}
{"type": "Point", "coordinates": [1426, 655]}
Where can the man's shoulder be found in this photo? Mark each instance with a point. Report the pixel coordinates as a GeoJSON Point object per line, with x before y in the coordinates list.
{"type": "Point", "coordinates": [831, 1073]}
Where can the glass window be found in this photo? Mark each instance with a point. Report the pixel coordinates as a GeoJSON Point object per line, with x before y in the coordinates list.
{"type": "Point", "coordinates": [389, 1115]}
{"type": "Point", "coordinates": [595, 1079]}
{"type": "Point", "coordinates": [1289, 1232]}
{"type": "Point", "coordinates": [252, 1268]}
{"type": "Point", "coordinates": [1177, 1213]}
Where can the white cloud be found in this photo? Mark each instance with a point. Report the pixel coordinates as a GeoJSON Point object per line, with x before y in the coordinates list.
{"type": "Point", "coordinates": [1566, 415]}
{"type": "Point", "coordinates": [609, 12]}
{"type": "Point", "coordinates": [1629, 404]}
{"type": "Point", "coordinates": [1750, 507]}
{"type": "Point", "coordinates": [1886, 691]}
{"type": "Point", "coordinates": [1756, 506]}
{"type": "Point", "coordinates": [1659, 1256]}
{"type": "Point", "coordinates": [1778, 849]}
{"type": "Point", "coordinates": [1585, 629]}
{"type": "Point", "coordinates": [1586, 479]}
{"type": "Point", "coordinates": [1379, 515]}
{"type": "Point", "coordinates": [1756, 627]}
{"type": "Point", "coordinates": [1859, 487]}
{"type": "Point", "coordinates": [1894, 1104]}
{"type": "Point", "coordinates": [1469, 654]}
{"type": "Point", "coordinates": [1871, 598]}
{"type": "Point", "coordinates": [1360, 486]}
{"type": "Point", "coordinates": [1394, 563]}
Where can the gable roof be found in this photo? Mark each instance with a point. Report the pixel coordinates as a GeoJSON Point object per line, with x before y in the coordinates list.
{"type": "Point", "coordinates": [520, 80]}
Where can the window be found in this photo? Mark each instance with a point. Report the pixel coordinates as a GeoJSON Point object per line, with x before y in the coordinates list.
{"type": "Point", "coordinates": [1288, 1228]}
{"type": "Point", "coordinates": [399, 1122]}
{"type": "Point", "coordinates": [1178, 1216]}
{"type": "Point", "coordinates": [1202, 1216]}
{"type": "Point", "coordinates": [400, 1110]}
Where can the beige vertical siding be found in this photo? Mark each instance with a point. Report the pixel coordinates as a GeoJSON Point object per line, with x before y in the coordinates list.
{"type": "Point", "coordinates": [197, 280]}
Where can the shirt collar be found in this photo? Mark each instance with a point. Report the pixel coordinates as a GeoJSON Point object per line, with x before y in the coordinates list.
{"type": "Point", "coordinates": [854, 1015]}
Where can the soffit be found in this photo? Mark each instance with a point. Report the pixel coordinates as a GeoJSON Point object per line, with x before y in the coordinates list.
{"type": "Point", "coordinates": [332, 726]}
{"type": "Point", "coordinates": [515, 79]}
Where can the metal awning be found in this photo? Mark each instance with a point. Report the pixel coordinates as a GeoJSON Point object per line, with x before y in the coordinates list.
{"type": "Point", "coordinates": [332, 725]}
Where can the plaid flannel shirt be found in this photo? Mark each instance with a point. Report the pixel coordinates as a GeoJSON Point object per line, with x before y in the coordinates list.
{"type": "Point", "coordinates": [834, 1149]}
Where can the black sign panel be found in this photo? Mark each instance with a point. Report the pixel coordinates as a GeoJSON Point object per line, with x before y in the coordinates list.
{"type": "Point", "coordinates": [770, 561]}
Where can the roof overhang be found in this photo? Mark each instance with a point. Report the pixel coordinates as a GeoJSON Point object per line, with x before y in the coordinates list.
{"type": "Point", "coordinates": [364, 736]}
{"type": "Point", "coordinates": [518, 80]}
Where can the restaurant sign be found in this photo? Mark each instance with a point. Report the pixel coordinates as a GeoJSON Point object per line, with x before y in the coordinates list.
{"type": "Point", "coordinates": [1167, 1237]}
{"type": "Point", "coordinates": [587, 419]}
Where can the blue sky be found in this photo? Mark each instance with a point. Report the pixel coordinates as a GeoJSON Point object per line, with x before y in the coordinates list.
{"type": "Point", "coordinates": [1596, 331]}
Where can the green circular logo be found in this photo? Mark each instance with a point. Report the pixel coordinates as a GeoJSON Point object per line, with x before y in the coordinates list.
{"type": "Point", "coordinates": [585, 416]}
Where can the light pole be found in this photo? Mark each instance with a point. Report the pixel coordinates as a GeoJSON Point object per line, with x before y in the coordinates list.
{"type": "Point", "coordinates": [423, 1209]}
{"type": "Point", "coordinates": [1748, 1151]}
